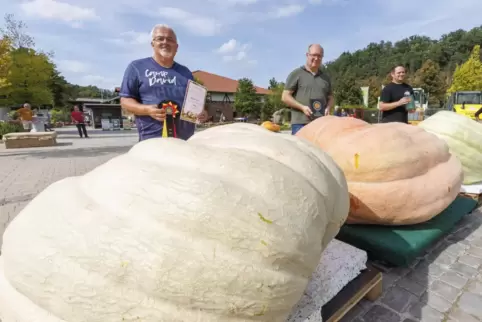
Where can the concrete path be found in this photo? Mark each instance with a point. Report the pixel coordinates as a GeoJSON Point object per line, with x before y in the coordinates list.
{"type": "Point", "coordinates": [443, 285]}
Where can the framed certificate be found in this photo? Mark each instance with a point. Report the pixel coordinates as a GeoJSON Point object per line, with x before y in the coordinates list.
{"type": "Point", "coordinates": [194, 101]}
{"type": "Point", "coordinates": [317, 107]}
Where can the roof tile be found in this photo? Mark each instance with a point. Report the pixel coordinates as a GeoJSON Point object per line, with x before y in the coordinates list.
{"type": "Point", "coordinates": [221, 84]}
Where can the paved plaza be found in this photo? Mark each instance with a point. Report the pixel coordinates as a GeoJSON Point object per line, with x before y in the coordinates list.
{"type": "Point", "coordinates": [443, 285]}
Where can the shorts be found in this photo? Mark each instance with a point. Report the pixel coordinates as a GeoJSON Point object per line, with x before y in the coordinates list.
{"type": "Point", "coordinates": [27, 125]}
{"type": "Point", "coordinates": [296, 127]}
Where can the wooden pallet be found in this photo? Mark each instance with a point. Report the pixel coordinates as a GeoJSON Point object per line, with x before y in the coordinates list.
{"type": "Point", "coordinates": [367, 285]}
{"type": "Point", "coordinates": [475, 196]}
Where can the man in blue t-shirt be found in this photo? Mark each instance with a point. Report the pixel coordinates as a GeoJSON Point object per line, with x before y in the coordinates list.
{"type": "Point", "coordinates": [149, 81]}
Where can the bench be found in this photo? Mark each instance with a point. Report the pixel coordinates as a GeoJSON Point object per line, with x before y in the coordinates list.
{"type": "Point", "coordinates": [29, 139]}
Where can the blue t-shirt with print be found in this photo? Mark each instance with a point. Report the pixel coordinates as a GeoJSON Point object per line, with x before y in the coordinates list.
{"type": "Point", "coordinates": [150, 83]}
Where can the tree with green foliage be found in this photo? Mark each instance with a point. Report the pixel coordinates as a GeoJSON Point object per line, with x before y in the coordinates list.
{"type": "Point", "coordinates": [198, 80]}
{"type": "Point", "coordinates": [246, 101]}
{"type": "Point", "coordinates": [431, 80]}
{"type": "Point", "coordinates": [374, 90]}
{"type": "Point", "coordinates": [273, 101]}
{"type": "Point", "coordinates": [30, 78]}
{"type": "Point", "coordinates": [15, 31]}
{"type": "Point", "coordinates": [373, 63]}
{"type": "Point", "coordinates": [348, 92]}
{"type": "Point", "coordinates": [468, 76]}
{"type": "Point", "coordinates": [39, 66]}
{"type": "Point", "coordinates": [5, 62]}
{"type": "Point", "coordinates": [61, 91]}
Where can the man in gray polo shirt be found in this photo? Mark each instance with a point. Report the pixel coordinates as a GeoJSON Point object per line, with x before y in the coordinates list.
{"type": "Point", "coordinates": [307, 83]}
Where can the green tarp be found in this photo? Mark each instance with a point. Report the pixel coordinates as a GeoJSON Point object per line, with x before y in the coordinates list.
{"type": "Point", "coordinates": [400, 245]}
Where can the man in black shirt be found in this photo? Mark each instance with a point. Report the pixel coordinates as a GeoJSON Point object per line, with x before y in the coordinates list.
{"type": "Point", "coordinates": [395, 97]}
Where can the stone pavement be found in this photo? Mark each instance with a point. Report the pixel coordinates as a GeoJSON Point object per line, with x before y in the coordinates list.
{"type": "Point", "coordinates": [26, 172]}
{"type": "Point", "coordinates": [443, 285]}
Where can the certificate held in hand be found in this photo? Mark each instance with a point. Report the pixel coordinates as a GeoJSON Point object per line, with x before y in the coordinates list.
{"type": "Point", "coordinates": [317, 108]}
{"type": "Point", "coordinates": [194, 101]}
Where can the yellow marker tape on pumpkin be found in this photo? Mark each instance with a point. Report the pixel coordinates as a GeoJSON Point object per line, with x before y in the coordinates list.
{"type": "Point", "coordinates": [263, 311]}
{"type": "Point", "coordinates": [264, 219]}
{"type": "Point", "coordinates": [357, 160]}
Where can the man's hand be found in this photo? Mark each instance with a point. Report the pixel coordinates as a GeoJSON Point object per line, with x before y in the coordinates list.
{"type": "Point", "coordinates": [404, 101]}
{"type": "Point", "coordinates": [203, 116]}
{"type": "Point", "coordinates": [158, 114]}
{"type": "Point", "coordinates": [307, 111]}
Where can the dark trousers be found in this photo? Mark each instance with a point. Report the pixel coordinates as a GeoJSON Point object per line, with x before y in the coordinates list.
{"type": "Point", "coordinates": [81, 128]}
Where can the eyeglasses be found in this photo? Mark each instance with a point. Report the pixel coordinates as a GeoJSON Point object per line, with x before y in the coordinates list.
{"type": "Point", "coordinates": [316, 56]}
{"type": "Point", "coordinates": [161, 39]}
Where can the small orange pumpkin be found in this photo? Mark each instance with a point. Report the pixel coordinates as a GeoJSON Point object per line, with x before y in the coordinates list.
{"type": "Point", "coordinates": [396, 173]}
{"type": "Point", "coordinates": [271, 126]}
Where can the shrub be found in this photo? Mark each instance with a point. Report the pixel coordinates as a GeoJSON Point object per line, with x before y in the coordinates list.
{"type": "Point", "coordinates": [9, 127]}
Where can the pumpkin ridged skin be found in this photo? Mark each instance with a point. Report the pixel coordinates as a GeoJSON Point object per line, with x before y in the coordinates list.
{"type": "Point", "coordinates": [464, 138]}
{"type": "Point", "coordinates": [271, 126]}
{"type": "Point", "coordinates": [228, 226]}
{"type": "Point", "coordinates": [402, 175]}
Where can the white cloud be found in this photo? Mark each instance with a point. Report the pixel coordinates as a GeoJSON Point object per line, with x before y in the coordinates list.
{"type": "Point", "coordinates": [233, 46]}
{"type": "Point", "coordinates": [234, 50]}
{"type": "Point", "coordinates": [277, 12]}
{"type": "Point", "coordinates": [287, 11]}
{"type": "Point", "coordinates": [73, 66]}
{"type": "Point", "coordinates": [228, 46]}
{"type": "Point", "coordinates": [230, 3]}
{"type": "Point", "coordinates": [56, 10]}
{"type": "Point", "coordinates": [131, 37]}
{"type": "Point", "coordinates": [328, 2]}
{"type": "Point", "coordinates": [100, 81]}
{"type": "Point", "coordinates": [195, 23]}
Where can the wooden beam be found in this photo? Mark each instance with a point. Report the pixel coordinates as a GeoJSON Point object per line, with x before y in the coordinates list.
{"type": "Point", "coordinates": [366, 285]}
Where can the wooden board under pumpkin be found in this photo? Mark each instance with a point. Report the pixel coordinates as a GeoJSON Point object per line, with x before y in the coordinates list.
{"type": "Point", "coordinates": [367, 285]}
{"type": "Point", "coordinates": [473, 191]}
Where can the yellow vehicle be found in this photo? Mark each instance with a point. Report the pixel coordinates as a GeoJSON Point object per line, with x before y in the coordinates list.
{"type": "Point", "coordinates": [466, 103]}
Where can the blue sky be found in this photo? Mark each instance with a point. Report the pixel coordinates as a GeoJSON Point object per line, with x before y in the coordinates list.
{"type": "Point", "coordinates": [94, 40]}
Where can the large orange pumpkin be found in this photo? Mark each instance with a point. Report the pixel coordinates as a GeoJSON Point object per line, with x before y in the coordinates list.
{"type": "Point", "coordinates": [397, 174]}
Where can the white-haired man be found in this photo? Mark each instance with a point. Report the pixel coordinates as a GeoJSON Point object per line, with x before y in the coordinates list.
{"type": "Point", "coordinates": [152, 80]}
{"type": "Point", "coordinates": [26, 116]}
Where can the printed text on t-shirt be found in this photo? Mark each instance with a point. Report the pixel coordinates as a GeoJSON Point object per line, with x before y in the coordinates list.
{"type": "Point", "coordinates": [159, 77]}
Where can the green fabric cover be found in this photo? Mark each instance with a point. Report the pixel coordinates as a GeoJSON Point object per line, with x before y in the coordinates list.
{"type": "Point", "coordinates": [400, 245]}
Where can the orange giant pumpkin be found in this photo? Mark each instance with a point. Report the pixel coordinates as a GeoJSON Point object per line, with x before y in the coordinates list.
{"type": "Point", "coordinates": [397, 174]}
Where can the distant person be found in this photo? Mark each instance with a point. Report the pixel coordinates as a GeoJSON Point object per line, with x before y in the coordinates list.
{"type": "Point", "coordinates": [26, 116]}
{"type": "Point", "coordinates": [395, 98]}
{"type": "Point", "coordinates": [306, 83]}
{"type": "Point", "coordinates": [47, 126]}
{"type": "Point", "coordinates": [78, 119]}
{"type": "Point", "coordinates": [343, 113]}
{"type": "Point", "coordinates": [149, 81]}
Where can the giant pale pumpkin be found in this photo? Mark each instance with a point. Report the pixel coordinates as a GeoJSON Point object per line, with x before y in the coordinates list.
{"type": "Point", "coordinates": [464, 138]}
{"type": "Point", "coordinates": [227, 226]}
{"type": "Point", "coordinates": [397, 174]}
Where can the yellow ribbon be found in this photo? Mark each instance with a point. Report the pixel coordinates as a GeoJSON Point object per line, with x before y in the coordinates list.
{"type": "Point", "coordinates": [357, 160]}
{"type": "Point", "coordinates": [164, 129]}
